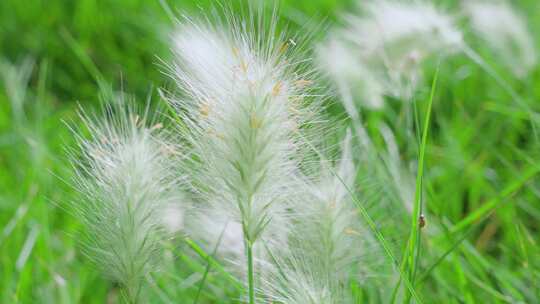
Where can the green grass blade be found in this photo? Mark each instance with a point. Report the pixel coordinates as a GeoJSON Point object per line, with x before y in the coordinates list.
{"type": "Point", "coordinates": [489, 206]}
{"type": "Point", "coordinates": [209, 265]}
{"type": "Point", "coordinates": [214, 263]}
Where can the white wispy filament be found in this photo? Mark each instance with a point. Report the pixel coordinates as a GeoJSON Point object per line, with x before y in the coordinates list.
{"type": "Point", "coordinates": [125, 179]}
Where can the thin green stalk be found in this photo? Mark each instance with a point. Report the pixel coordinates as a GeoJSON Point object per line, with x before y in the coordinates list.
{"type": "Point", "coordinates": [251, 288]}
{"type": "Point", "coordinates": [215, 263]}
{"type": "Point", "coordinates": [209, 264]}
{"type": "Point", "coordinates": [84, 58]}
{"type": "Point", "coordinates": [425, 275]}
{"type": "Point", "coordinates": [412, 250]}
{"type": "Point", "coordinates": [417, 208]}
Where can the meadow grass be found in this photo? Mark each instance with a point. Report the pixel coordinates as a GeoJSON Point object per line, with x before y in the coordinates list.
{"type": "Point", "coordinates": [472, 148]}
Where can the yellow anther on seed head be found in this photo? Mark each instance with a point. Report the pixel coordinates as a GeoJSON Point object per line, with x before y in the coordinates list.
{"type": "Point", "coordinates": [236, 52]}
{"type": "Point", "coordinates": [293, 110]}
{"type": "Point", "coordinates": [243, 66]}
{"type": "Point", "coordinates": [351, 231]}
{"type": "Point", "coordinates": [283, 48]}
{"type": "Point", "coordinates": [296, 101]}
{"type": "Point", "coordinates": [204, 110]}
{"type": "Point", "coordinates": [276, 90]}
{"type": "Point", "coordinates": [294, 127]}
{"type": "Point", "coordinates": [157, 126]}
{"type": "Point", "coordinates": [333, 204]}
{"type": "Point", "coordinates": [216, 134]}
{"type": "Point", "coordinates": [254, 121]}
{"type": "Point", "coordinates": [302, 83]}
{"type": "Point", "coordinates": [167, 149]}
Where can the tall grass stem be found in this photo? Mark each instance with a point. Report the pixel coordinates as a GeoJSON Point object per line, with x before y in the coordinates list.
{"type": "Point", "coordinates": [251, 287]}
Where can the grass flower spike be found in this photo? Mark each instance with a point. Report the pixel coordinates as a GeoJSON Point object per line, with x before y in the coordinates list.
{"type": "Point", "coordinates": [402, 30]}
{"type": "Point", "coordinates": [124, 176]}
{"type": "Point", "coordinates": [325, 244]}
{"type": "Point", "coordinates": [350, 75]}
{"type": "Point", "coordinates": [392, 39]}
{"type": "Point", "coordinates": [243, 105]}
{"type": "Point", "coordinates": [506, 33]}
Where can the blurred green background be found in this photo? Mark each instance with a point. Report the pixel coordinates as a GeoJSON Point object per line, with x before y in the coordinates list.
{"type": "Point", "coordinates": [482, 155]}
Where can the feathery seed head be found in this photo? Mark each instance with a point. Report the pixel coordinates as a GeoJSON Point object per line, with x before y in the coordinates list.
{"type": "Point", "coordinates": [295, 280]}
{"type": "Point", "coordinates": [350, 74]}
{"type": "Point", "coordinates": [407, 27]}
{"type": "Point", "coordinates": [331, 225]}
{"type": "Point", "coordinates": [241, 105]}
{"type": "Point", "coordinates": [316, 264]}
{"type": "Point", "coordinates": [392, 38]}
{"type": "Point", "coordinates": [125, 180]}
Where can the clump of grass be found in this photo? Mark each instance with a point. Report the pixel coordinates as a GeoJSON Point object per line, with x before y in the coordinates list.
{"type": "Point", "coordinates": [294, 234]}
{"type": "Point", "coordinates": [126, 180]}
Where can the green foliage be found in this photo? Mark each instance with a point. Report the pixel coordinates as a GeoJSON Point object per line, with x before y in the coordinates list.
{"type": "Point", "coordinates": [479, 188]}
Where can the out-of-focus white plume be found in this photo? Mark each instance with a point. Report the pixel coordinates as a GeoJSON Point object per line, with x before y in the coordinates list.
{"type": "Point", "coordinates": [390, 39]}
{"type": "Point", "coordinates": [506, 33]}
{"type": "Point", "coordinates": [352, 78]}
{"type": "Point", "coordinates": [400, 31]}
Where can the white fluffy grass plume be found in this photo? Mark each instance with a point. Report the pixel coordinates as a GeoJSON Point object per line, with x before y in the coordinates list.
{"type": "Point", "coordinates": [391, 39]}
{"type": "Point", "coordinates": [326, 243]}
{"type": "Point", "coordinates": [351, 76]}
{"type": "Point", "coordinates": [124, 177]}
{"type": "Point", "coordinates": [506, 32]}
{"type": "Point", "coordinates": [404, 28]}
{"type": "Point", "coordinates": [243, 106]}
